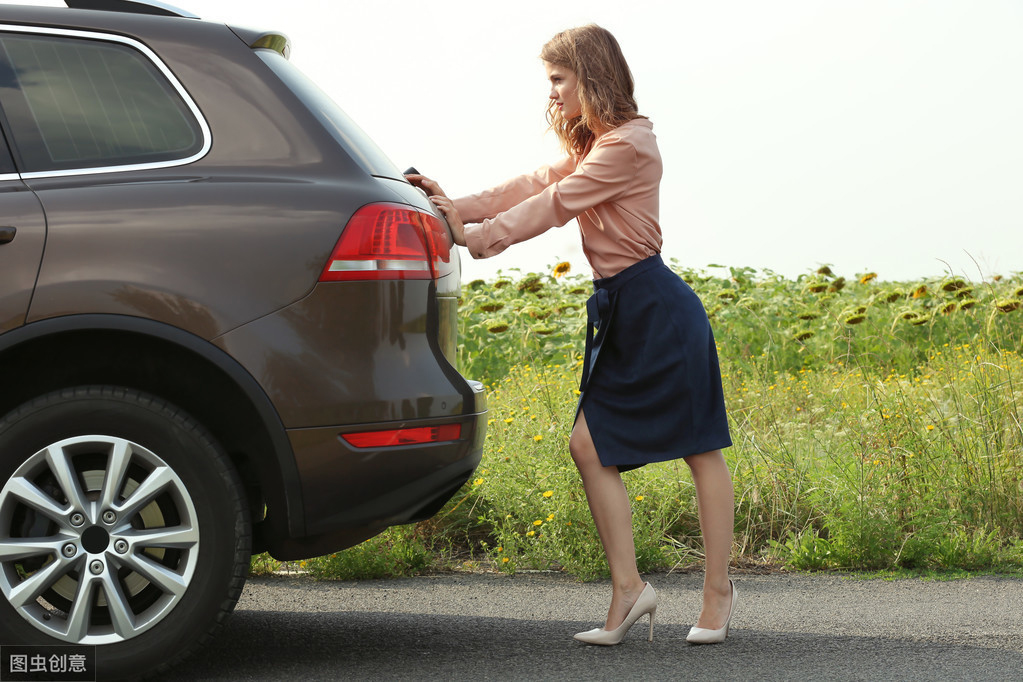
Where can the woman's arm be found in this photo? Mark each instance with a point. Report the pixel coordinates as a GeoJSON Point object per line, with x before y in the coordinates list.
{"type": "Point", "coordinates": [605, 174]}
{"type": "Point", "coordinates": [489, 203]}
{"type": "Point", "coordinates": [478, 207]}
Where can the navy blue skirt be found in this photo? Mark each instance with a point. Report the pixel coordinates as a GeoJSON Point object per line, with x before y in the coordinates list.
{"type": "Point", "coordinates": [651, 384]}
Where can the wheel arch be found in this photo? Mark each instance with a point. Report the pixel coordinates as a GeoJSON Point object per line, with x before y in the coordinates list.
{"type": "Point", "coordinates": [179, 367]}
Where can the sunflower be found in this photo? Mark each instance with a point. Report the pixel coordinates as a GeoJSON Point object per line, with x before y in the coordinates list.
{"type": "Point", "coordinates": [496, 326]}
{"type": "Point", "coordinates": [868, 277]}
{"type": "Point", "coordinates": [1007, 305]}
{"type": "Point", "coordinates": [954, 284]}
{"type": "Point", "coordinates": [532, 284]}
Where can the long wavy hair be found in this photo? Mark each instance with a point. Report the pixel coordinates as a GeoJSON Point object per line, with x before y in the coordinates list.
{"type": "Point", "coordinates": [605, 85]}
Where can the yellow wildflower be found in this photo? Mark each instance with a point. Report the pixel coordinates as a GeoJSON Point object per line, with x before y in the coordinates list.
{"type": "Point", "coordinates": [538, 438]}
{"type": "Point", "coordinates": [537, 522]}
{"type": "Point", "coordinates": [549, 493]}
{"type": "Point", "coordinates": [639, 498]}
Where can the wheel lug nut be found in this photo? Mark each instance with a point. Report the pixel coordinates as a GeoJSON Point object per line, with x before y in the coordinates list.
{"type": "Point", "coordinates": [77, 519]}
{"type": "Point", "coordinates": [109, 516]}
{"type": "Point", "coordinates": [69, 550]}
{"type": "Point", "coordinates": [120, 546]}
{"type": "Point", "coordinates": [96, 567]}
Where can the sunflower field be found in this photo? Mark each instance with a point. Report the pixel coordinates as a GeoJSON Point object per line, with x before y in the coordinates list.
{"type": "Point", "coordinates": [876, 425]}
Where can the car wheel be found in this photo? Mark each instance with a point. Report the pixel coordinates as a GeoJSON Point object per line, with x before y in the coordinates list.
{"type": "Point", "coordinates": [122, 524]}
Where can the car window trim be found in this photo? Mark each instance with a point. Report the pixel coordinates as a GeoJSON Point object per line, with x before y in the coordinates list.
{"type": "Point", "coordinates": [207, 138]}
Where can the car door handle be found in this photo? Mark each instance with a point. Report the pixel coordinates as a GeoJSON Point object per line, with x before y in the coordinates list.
{"type": "Point", "coordinates": [7, 234]}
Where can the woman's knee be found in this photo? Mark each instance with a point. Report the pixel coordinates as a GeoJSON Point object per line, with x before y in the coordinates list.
{"type": "Point", "coordinates": [706, 460]}
{"type": "Point", "coordinates": [581, 447]}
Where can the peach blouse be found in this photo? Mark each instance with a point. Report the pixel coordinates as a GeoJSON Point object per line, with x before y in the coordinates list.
{"type": "Point", "coordinates": [612, 190]}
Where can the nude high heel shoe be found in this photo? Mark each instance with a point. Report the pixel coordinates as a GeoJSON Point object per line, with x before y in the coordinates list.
{"type": "Point", "coordinates": [707, 636]}
{"type": "Point", "coordinates": [646, 604]}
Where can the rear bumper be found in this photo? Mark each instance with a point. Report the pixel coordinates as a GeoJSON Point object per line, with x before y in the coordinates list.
{"type": "Point", "coordinates": [351, 494]}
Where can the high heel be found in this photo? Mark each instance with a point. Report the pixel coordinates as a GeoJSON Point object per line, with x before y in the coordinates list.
{"type": "Point", "coordinates": [706, 636]}
{"type": "Point", "coordinates": [646, 604]}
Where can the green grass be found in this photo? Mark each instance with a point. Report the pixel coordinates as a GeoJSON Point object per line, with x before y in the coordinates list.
{"type": "Point", "coordinates": [877, 427]}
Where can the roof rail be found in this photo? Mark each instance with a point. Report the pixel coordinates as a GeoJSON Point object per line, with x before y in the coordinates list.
{"type": "Point", "coordinates": [131, 6]}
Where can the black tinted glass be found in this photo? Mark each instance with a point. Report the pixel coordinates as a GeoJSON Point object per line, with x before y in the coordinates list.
{"type": "Point", "coordinates": [78, 103]}
{"type": "Point", "coordinates": [6, 163]}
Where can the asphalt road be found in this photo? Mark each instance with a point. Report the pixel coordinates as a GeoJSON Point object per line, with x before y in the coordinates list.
{"type": "Point", "coordinates": [494, 627]}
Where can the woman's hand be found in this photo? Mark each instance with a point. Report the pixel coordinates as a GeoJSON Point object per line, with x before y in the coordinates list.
{"type": "Point", "coordinates": [426, 184]}
{"type": "Point", "coordinates": [441, 201]}
{"type": "Point", "coordinates": [447, 207]}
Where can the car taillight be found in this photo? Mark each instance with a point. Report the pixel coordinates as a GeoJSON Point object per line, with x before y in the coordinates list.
{"type": "Point", "coordinates": [414, 436]}
{"type": "Point", "coordinates": [390, 241]}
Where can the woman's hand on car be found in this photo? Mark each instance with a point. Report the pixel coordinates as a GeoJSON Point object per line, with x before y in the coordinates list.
{"type": "Point", "coordinates": [426, 184]}
{"type": "Point", "coordinates": [447, 207]}
{"type": "Point", "coordinates": [441, 201]}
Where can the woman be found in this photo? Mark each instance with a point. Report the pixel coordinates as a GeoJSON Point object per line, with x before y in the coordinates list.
{"type": "Point", "coordinates": [651, 387]}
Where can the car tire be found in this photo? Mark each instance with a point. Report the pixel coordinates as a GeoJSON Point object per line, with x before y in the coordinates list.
{"type": "Point", "coordinates": [123, 525]}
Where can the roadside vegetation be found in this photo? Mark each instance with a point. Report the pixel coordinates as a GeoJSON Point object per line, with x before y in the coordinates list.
{"type": "Point", "coordinates": [877, 426]}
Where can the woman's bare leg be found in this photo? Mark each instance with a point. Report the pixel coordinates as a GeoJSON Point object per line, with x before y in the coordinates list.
{"type": "Point", "coordinates": [715, 500]}
{"type": "Point", "coordinates": [612, 514]}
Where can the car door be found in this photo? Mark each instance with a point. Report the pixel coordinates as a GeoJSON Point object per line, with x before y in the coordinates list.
{"type": "Point", "coordinates": [22, 235]}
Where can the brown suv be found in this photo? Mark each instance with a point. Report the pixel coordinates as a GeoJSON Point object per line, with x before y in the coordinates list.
{"type": "Point", "coordinates": [227, 326]}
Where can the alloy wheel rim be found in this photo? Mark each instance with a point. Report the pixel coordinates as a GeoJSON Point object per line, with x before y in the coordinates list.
{"type": "Point", "coordinates": [98, 540]}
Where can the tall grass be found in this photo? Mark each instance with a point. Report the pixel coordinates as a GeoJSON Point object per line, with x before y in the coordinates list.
{"type": "Point", "coordinates": [876, 425]}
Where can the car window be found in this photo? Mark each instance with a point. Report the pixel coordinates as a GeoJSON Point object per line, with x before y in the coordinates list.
{"type": "Point", "coordinates": [349, 135]}
{"type": "Point", "coordinates": [6, 163]}
{"type": "Point", "coordinates": [76, 103]}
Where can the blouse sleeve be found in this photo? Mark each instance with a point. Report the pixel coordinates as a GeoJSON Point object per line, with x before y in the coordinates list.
{"type": "Point", "coordinates": [604, 174]}
{"type": "Point", "coordinates": [476, 208]}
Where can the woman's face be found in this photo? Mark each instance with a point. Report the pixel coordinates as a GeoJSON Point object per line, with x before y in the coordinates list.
{"type": "Point", "coordinates": [564, 90]}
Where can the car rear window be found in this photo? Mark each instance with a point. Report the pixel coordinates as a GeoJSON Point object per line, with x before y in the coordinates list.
{"type": "Point", "coordinates": [349, 135]}
{"type": "Point", "coordinates": [78, 103]}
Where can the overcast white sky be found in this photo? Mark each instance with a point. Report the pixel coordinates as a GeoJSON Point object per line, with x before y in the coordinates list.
{"type": "Point", "coordinates": [877, 135]}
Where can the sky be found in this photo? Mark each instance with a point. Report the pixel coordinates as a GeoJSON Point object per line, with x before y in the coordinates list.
{"type": "Point", "coordinates": [872, 136]}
